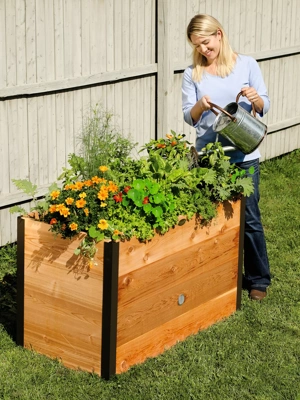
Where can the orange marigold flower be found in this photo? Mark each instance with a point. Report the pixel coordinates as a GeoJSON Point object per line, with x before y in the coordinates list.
{"type": "Point", "coordinates": [53, 221]}
{"type": "Point", "coordinates": [69, 201]}
{"type": "Point", "coordinates": [126, 189]}
{"type": "Point", "coordinates": [173, 143]}
{"type": "Point", "coordinates": [73, 226]}
{"type": "Point", "coordinates": [112, 187]}
{"type": "Point", "coordinates": [160, 145]}
{"type": "Point", "coordinates": [103, 168]}
{"type": "Point", "coordinates": [82, 195]}
{"type": "Point", "coordinates": [103, 224]}
{"type": "Point", "coordinates": [52, 209]}
{"type": "Point", "coordinates": [88, 183]}
{"type": "Point", "coordinates": [54, 195]}
{"type": "Point", "coordinates": [103, 193]}
{"type": "Point", "coordinates": [65, 212]}
{"type": "Point", "coordinates": [79, 185]}
{"type": "Point", "coordinates": [169, 136]}
{"type": "Point", "coordinates": [86, 211]}
{"type": "Point", "coordinates": [96, 179]}
{"type": "Point", "coordinates": [117, 232]}
{"type": "Point", "coordinates": [67, 187]}
{"type": "Point", "coordinates": [80, 203]}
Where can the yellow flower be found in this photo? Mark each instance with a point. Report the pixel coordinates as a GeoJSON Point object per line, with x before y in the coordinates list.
{"type": "Point", "coordinates": [86, 211]}
{"type": "Point", "coordinates": [103, 193]}
{"type": "Point", "coordinates": [103, 168]}
{"type": "Point", "coordinates": [73, 226]}
{"type": "Point", "coordinates": [103, 224]}
{"type": "Point", "coordinates": [103, 204]}
{"type": "Point", "coordinates": [52, 209]}
{"type": "Point", "coordinates": [112, 187]}
{"type": "Point", "coordinates": [69, 201]}
{"type": "Point", "coordinates": [117, 232]}
{"type": "Point", "coordinates": [64, 211]}
{"type": "Point", "coordinates": [88, 183]}
{"type": "Point", "coordinates": [80, 203]}
{"type": "Point", "coordinates": [54, 195]}
{"type": "Point", "coordinates": [79, 185]}
{"type": "Point", "coordinates": [169, 136]}
{"type": "Point", "coordinates": [96, 179]}
{"type": "Point", "coordinates": [82, 195]}
{"type": "Point", "coordinates": [59, 207]}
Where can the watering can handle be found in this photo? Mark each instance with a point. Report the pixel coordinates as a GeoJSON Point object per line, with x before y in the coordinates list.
{"type": "Point", "coordinates": [222, 110]}
{"type": "Point", "coordinates": [253, 108]}
{"type": "Point", "coordinates": [227, 113]}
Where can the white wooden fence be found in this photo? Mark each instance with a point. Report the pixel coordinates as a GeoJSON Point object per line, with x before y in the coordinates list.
{"type": "Point", "coordinates": [59, 58]}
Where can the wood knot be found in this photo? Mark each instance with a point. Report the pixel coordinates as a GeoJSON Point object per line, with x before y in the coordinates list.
{"type": "Point", "coordinates": [126, 281]}
{"type": "Point", "coordinates": [193, 235]}
{"type": "Point", "coordinates": [146, 256]}
{"type": "Point", "coordinates": [173, 269]}
{"type": "Point", "coordinates": [130, 249]}
{"type": "Point", "coordinates": [124, 366]}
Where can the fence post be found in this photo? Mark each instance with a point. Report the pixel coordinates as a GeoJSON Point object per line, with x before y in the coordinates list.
{"type": "Point", "coordinates": [165, 71]}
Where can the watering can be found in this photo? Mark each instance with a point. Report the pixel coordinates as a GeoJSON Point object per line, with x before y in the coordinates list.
{"type": "Point", "coordinates": [242, 129]}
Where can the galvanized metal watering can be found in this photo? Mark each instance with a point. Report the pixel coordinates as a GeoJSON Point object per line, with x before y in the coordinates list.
{"type": "Point", "coordinates": [242, 129]}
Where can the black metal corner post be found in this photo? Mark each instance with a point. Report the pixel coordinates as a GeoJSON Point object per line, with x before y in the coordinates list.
{"type": "Point", "coordinates": [109, 309]}
{"type": "Point", "coordinates": [20, 280]}
{"type": "Point", "coordinates": [241, 254]}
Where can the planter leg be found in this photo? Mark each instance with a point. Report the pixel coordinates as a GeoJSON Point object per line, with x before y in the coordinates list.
{"type": "Point", "coordinates": [109, 309]}
{"type": "Point", "coordinates": [20, 281]}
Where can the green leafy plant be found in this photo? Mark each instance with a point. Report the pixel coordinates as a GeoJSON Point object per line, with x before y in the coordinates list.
{"type": "Point", "coordinates": [100, 143]}
{"type": "Point", "coordinates": [111, 196]}
{"type": "Point", "coordinates": [30, 189]}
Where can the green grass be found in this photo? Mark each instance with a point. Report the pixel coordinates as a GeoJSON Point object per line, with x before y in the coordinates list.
{"type": "Point", "coordinates": [254, 354]}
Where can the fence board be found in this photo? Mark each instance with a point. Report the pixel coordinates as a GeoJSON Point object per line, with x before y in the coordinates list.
{"type": "Point", "coordinates": [62, 57]}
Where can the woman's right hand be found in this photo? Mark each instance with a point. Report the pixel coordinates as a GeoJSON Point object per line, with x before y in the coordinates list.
{"type": "Point", "coordinates": [200, 107]}
{"type": "Point", "coordinates": [204, 103]}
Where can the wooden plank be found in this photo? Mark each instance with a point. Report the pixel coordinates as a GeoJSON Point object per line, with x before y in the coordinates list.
{"type": "Point", "coordinates": [20, 43]}
{"type": "Point", "coordinates": [168, 334]}
{"type": "Point", "coordinates": [148, 304]}
{"type": "Point", "coordinates": [165, 81]}
{"type": "Point", "coordinates": [2, 45]}
{"type": "Point", "coordinates": [59, 46]}
{"type": "Point", "coordinates": [31, 42]}
{"type": "Point", "coordinates": [49, 41]}
{"type": "Point", "coordinates": [40, 42]}
{"type": "Point", "coordinates": [53, 273]}
{"type": "Point", "coordinates": [33, 140]}
{"type": "Point", "coordinates": [189, 234]}
{"type": "Point", "coordinates": [4, 150]}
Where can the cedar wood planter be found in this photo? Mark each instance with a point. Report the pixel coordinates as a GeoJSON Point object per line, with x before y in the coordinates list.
{"type": "Point", "coordinates": [140, 299]}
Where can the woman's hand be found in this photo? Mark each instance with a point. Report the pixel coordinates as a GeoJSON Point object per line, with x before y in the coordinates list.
{"type": "Point", "coordinates": [199, 108]}
{"type": "Point", "coordinates": [253, 97]}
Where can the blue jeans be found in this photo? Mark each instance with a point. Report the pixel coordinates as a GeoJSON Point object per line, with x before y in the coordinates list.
{"type": "Point", "coordinates": [256, 263]}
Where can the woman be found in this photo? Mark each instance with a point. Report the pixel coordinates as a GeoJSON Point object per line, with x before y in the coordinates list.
{"type": "Point", "coordinates": [218, 74]}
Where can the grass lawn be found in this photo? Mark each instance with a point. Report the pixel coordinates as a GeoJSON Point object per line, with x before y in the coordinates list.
{"type": "Point", "coordinates": [254, 354]}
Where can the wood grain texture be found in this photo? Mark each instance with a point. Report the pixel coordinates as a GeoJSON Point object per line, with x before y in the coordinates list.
{"type": "Point", "coordinates": [156, 341]}
{"type": "Point", "coordinates": [62, 300]}
{"type": "Point", "coordinates": [63, 297]}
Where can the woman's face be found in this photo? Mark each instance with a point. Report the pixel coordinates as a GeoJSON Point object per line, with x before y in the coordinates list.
{"type": "Point", "coordinates": [208, 46]}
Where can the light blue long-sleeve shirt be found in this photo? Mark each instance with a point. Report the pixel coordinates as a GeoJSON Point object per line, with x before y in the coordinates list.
{"type": "Point", "coordinates": [222, 91]}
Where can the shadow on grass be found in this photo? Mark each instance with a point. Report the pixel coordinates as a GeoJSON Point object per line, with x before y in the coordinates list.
{"type": "Point", "coordinates": [8, 290]}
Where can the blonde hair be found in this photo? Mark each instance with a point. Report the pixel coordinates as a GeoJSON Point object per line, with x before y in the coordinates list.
{"type": "Point", "coordinates": [206, 25]}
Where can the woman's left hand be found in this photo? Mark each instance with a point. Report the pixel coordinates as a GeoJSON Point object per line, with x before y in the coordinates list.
{"type": "Point", "coordinates": [253, 97]}
{"type": "Point", "coordinates": [250, 93]}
